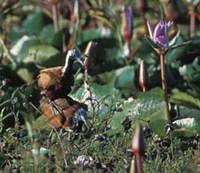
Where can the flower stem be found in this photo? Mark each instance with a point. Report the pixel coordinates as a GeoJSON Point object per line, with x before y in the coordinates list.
{"type": "Point", "coordinates": [129, 48]}
{"type": "Point", "coordinates": [145, 23]}
{"type": "Point", "coordinates": [55, 17]}
{"type": "Point", "coordinates": [138, 162]}
{"type": "Point", "coordinates": [192, 21]}
{"type": "Point", "coordinates": [164, 87]}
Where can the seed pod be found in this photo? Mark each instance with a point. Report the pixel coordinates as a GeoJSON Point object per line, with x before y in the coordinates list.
{"type": "Point", "coordinates": [142, 6]}
{"type": "Point", "coordinates": [143, 77]}
{"type": "Point", "coordinates": [127, 23]}
{"type": "Point", "coordinates": [88, 52]}
{"type": "Point", "coordinates": [138, 144]}
{"type": "Point", "coordinates": [170, 9]}
{"type": "Point", "coordinates": [52, 2]}
{"type": "Point", "coordinates": [76, 15]}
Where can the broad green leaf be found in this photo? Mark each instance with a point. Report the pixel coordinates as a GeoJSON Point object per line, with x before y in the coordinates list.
{"type": "Point", "coordinates": [191, 72]}
{"type": "Point", "coordinates": [25, 74]}
{"type": "Point", "coordinates": [187, 126]}
{"type": "Point", "coordinates": [21, 47]}
{"type": "Point", "coordinates": [125, 78]}
{"type": "Point", "coordinates": [43, 55]}
{"type": "Point", "coordinates": [175, 53]}
{"type": "Point", "coordinates": [47, 33]}
{"type": "Point", "coordinates": [147, 107]}
{"type": "Point", "coordinates": [48, 36]}
{"type": "Point", "coordinates": [99, 91]}
{"type": "Point", "coordinates": [122, 79]}
{"type": "Point", "coordinates": [93, 34]}
{"type": "Point", "coordinates": [183, 98]}
{"type": "Point", "coordinates": [34, 23]}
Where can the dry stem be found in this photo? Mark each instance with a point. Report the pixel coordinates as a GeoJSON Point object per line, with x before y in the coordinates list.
{"type": "Point", "coordinates": [164, 87]}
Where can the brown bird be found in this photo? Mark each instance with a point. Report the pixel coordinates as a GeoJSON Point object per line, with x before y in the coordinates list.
{"type": "Point", "coordinates": [55, 84]}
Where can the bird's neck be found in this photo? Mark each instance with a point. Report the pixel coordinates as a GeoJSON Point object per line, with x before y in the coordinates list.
{"type": "Point", "coordinates": [68, 66]}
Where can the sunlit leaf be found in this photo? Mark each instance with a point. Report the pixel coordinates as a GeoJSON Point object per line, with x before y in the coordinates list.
{"type": "Point", "coordinates": [184, 98]}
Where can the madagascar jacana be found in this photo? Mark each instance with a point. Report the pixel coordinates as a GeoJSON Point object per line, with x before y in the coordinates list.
{"type": "Point", "coordinates": [56, 82]}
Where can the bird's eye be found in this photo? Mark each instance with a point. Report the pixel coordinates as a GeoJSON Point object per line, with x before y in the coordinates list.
{"type": "Point", "coordinates": [51, 88]}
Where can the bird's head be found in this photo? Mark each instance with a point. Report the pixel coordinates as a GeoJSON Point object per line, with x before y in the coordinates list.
{"type": "Point", "coordinates": [72, 55]}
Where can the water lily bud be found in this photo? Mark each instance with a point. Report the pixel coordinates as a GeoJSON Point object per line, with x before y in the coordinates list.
{"type": "Point", "coordinates": [90, 48]}
{"type": "Point", "coordinates": [75, 16]}
{"type": "Point", "coordinates": [88, 52]}
{"type": "Point", "coordinates": [52, 2]}
{"type": "Point", "coordinates": [142, 6]}
{"type": "Point", "coordinates": [127, 22]}
{"type": "Point", "coordinates": [160, 34]}
{"type": "Point", "coordinates": [138, 144]}
{"type": "Point", "coordinates": [171, 11]}
{"type": "Point", "coordinates": [143, 76]}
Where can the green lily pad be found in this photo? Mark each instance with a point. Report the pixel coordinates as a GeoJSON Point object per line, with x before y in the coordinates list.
{"type": "Point", "coordinates": [191, 72]}
{"type": "Point", "coordinates": [125, 78]}
{"type": "Point", "coordinates": [21, 47]}
{"type": "Point", "coordinates": [34, 23]}
{"type": "Point", "coordinates": [92, 34]}
{"type": "Point", "coordinates": [148, 107]}
{"type": "Point", "coordinates": [183, 98]}
{"type": "Point", "coordinates": [25, 74]}
{"type": "Point", "coordinates": [43, 55]}
{"type": "Point", "coordinates": [187, 127]}
{"type": "Point", "coordinates": [121, 78]}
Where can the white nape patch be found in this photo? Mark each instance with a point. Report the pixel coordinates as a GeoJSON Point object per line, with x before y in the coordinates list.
{"type": "Point", "coordinates": [16, 49]}
{"type": "Point", "coordinates": [71, 53]}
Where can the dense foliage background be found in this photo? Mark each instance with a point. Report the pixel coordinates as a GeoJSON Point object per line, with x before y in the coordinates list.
{"type": "Point", "coordinates": [31, 38]}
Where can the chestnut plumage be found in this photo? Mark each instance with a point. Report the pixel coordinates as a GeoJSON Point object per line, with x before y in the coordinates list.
{"type": "Point", "coordinates": [63, 112]}
{"type": "Point", "coordinates": [56, 82]}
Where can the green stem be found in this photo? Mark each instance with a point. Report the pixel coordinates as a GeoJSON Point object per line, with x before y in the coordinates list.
{"type": "Point", "coordinates": [164, 87]}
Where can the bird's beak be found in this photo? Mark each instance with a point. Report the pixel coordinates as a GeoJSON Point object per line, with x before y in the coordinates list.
{"type": "Point", "coordinates": [78, 59]}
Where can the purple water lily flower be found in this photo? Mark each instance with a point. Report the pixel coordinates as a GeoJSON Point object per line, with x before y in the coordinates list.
{"type": "Point", "coordinates": [160, 33]}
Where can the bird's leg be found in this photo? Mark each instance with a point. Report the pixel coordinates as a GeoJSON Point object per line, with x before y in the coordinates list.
{"type": "Point", "coordinates": [84, 121]}
{"type": "Point", "coordinates": [56, 106]}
